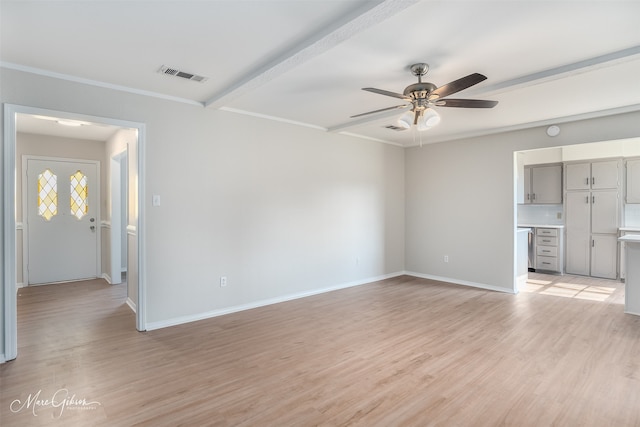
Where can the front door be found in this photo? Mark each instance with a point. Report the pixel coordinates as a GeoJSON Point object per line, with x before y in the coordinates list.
{"type": "Point", "coordinates": [62, 221]}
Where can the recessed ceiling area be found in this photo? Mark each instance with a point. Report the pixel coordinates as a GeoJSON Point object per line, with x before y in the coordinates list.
{"type": "Point", "coordinates": [306, 62]}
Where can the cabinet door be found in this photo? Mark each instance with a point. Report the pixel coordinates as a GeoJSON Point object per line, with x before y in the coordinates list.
{"type": "Point", "coordinates": [578, 226]}
{"type": "Point", "coordinates": [604, 175]}
{"type": "Point", "coordinates": [604, 256]}
{"type": "Point", "coordinates": [578, 211]}
{"type": "Point", "coordinates": [604, 212]}
{"type": "Point", "coordinates": [546, 184]}
{"type": "Point", "coordinates": [633, 181]}
{"type": "Point", "coordinates": [578, 176]}
{"type": "Point", "coordinates": [578, 247]}
{"type": "Point", "coordinates": [527, 184]}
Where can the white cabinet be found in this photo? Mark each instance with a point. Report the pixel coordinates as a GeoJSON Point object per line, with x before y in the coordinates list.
{"type": "Point", "coordinates": [633, 181]}
{"type": "Point", "coordinates": [604, 255]}
{"type": "Point", "coordinates": [592, 176]}
{"type": "Point", "coordinates": [548, 250]}
{"type": "Point", "coordinates": [605, 175]}
{"type": "Point", "coordinates": [592, 218]}
{"type": "Point", "coordinates": [578, 176]}
{"type": "Point", "coordinates": [605, 210]}
{"type": "Point", "coordinates": [543, 184]}
{"type": "Point", "coordinates": [578, 226]}
{"type": "Point", "coordinates": [592, 226]}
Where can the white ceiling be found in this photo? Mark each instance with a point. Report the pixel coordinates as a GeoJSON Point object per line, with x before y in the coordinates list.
{"type": "Point", "coordinates": [305, 61]}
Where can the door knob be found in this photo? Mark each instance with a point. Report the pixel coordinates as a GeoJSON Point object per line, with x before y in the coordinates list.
{"type": "Point", "coordinates": [93, 228]}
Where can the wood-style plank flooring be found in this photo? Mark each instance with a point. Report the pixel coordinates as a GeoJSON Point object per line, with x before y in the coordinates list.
{"type": "Point", "coordinates": [400, 352]}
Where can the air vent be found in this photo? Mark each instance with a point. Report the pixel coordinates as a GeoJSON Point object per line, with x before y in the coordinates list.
{"type": "Point", "coordinates": [396, 128]}
{"type": "Point", "coordinates": [177, 73]}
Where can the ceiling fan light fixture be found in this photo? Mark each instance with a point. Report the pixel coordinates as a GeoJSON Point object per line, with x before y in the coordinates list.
{"type": "Point", "coordinates": [406, 120]}
{"type": "Point", "coordinates": [431, 117]}
{"type": "Point", "coordinates": [428, 119]}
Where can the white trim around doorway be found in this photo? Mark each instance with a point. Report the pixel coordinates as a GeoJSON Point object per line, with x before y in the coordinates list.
{"type": "Point", "coordinates": [10, 332]}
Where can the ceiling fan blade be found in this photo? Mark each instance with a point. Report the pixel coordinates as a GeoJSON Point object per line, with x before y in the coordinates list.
{"type": "Point", "coordinates": [457, 86]}
{"type": "Point", "coordinates": [466, 103]}
{"type": "Point", "coordinates": [386, 92]}
{"type": "Point", "coordinates": [397, 107]}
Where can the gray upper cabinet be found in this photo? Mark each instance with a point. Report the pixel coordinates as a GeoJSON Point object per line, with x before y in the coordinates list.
{"type": "Point", "coordinates": [633, 181]}
{"type": "Point", "coordinates": [604, 175]}
{"type": "Point", "coordinates": [578, 176]}
{"type": "Point", "coordinates": [543, 184]}
{"type": "Point", "coordinates": [592, 176]}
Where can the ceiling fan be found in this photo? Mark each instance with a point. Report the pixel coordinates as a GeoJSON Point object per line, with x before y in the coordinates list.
{"type": "Point", "coordinates": [423, 96]}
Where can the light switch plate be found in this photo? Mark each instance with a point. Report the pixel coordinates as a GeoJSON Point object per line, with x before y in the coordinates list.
{"type": "Point", "coordinates": [155, 200]}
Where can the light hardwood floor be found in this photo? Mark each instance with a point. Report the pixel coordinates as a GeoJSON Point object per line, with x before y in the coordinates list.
{"type": "Point", "coordinates": [400, 352]}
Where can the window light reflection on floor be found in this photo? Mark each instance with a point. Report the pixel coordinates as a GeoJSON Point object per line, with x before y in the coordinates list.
{"type": "Point", "coordinates": [568, 290]}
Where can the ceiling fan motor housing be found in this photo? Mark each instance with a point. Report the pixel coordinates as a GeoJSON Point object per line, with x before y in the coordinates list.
{"type": "Point", "coordinates": [419, 94]}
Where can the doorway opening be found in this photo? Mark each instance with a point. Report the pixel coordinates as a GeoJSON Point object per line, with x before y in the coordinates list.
{"type": "Point", "coordinates": [566, 240]}
{"type": "Point", "coordinates": [124, 207]}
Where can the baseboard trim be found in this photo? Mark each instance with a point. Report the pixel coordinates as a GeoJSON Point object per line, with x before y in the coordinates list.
{"type": "Point", "coordinates": [131, 304]}
{"type": "Point", "coordinates": [106, 277]}
{"type": "Point", "coordinates": [234, 309]}
{"type": "Point", "coordinates": [459, 282]}
{"type": "Point", "coordinates": [20, 285]}
{"type": "Point", "coordinates": [2, 359]}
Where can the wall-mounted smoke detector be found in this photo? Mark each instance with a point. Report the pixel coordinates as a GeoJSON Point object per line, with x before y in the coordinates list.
{"type": "Point", "coordinates": [183, 74]}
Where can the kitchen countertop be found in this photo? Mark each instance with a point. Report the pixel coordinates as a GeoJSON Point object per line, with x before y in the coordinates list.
{"type": "Point", "coordinates": [630, 238]}
{"type": "Point", "coordinates": [542, 225]}
{"type": "Point", "coordinates": [629, 229]}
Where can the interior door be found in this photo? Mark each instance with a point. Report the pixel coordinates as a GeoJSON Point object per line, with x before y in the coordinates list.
{"type": "Point", "coordinates": [62, 220]}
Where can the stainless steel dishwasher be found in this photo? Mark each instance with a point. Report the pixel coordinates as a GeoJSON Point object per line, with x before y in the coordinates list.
{"type": "Point", "coordinates": [532, 249]}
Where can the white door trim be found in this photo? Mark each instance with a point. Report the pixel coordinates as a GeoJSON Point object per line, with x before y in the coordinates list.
{"type": "Point", "coordinates": [25, 211]}
{"type": "Point", "coordinates": [115, 269]}
{"type": "Point", "coordinates": [9, 218]}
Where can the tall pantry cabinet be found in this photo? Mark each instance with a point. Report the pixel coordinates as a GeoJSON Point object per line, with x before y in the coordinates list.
{"type": "Point", "coordinates": [592, 217]}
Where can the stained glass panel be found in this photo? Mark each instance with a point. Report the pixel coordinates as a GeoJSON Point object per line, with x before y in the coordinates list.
{"type": "Point", "coordinates": [47, 194]}
{"type": "Point", "coordinates": [79, 195]}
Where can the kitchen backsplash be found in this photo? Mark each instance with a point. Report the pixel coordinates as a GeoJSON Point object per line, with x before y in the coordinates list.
{"type": "Point", "coordinates": [632, 215]}
{"type": "Point", "coordinates": [548, 214]}
{"type": "Point", "coordinates": [540, 214]}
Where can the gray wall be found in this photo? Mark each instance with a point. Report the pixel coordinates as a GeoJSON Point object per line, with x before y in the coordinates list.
{"type": "Point", "coordinates": [280, 210]}
{"type": "Point", "coordinates": [284, 210]}
{"type": "Point", "coordinates": [461, 200]}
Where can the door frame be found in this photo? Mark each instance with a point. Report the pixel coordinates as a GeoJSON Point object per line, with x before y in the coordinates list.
{"type": "Point", "coordinates": [9, 217]}
{"type": "Point", "coordinates": [25, 211]}
{"type": "Point", "coordinates": [118, 163]}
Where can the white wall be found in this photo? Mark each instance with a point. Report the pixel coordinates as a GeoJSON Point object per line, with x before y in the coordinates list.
{"type": "Point", "coordinates": [280, 210]}
{"type": "Point", "coordinates": [460, 199]}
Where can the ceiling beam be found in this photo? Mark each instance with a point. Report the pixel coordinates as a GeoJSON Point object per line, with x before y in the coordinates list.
{"type": "Point", "coordinates": [362, 19]}
{"type": "Point", "coordinates": [568, 70]}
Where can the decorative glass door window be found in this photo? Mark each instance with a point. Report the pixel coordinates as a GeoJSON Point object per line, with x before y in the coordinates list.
{"type": "Point", "coordinates": [47, 194]}
{"type": "Point", "coordinates": [79, 195]}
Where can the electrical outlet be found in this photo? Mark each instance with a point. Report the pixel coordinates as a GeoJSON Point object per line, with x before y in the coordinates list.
{"type": "Point", "coordinates": [223, 281]}
{"type": "Point", "coordinates": [446, 258]}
